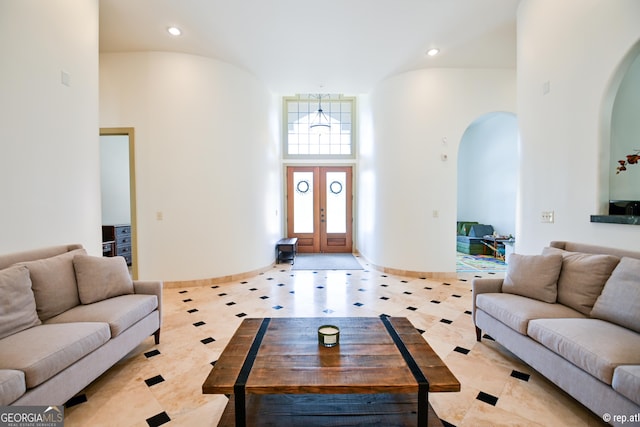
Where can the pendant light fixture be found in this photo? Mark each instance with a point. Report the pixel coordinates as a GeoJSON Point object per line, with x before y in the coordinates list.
{"type": "Point", "coordinates": [320, 122]}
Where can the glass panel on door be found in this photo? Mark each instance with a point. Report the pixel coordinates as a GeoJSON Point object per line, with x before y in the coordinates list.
{"type": "Point", "coordinates": [303, 208]}
{"type": "Point", "coordinates": [336, 202]}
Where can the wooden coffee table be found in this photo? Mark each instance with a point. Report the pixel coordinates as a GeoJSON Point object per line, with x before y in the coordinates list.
{"type": "Point", "coordinates": [380, 373]}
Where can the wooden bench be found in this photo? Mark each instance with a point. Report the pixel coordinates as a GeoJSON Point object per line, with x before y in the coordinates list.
{"type": "Point", "coordinates": [286, 249]}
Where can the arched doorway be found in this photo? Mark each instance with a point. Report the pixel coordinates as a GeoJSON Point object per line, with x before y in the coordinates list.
{"type": "Point", "coordinates": [488, 167]}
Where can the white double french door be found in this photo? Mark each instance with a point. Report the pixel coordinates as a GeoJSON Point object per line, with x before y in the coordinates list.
{"type": "Point", "coordinates": [319, 208]}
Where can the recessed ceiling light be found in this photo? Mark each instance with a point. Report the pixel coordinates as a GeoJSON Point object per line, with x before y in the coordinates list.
{"type": "Point", "coordinates": [433, 51]}
{"type": "Point", "coordinates": [174, 31]}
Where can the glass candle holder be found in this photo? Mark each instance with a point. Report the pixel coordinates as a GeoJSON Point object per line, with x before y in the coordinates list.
{"type": "Point", "coordinates": [328, 335]}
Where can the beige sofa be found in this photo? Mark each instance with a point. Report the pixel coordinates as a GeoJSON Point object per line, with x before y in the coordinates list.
{"type": "Point", "coordinates": [573, 314]}
{"type": "Point", "coordinates": [65, 318]}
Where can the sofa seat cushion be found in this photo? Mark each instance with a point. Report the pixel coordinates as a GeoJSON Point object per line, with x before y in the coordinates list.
{"type": "Point", "coordinates": [516, 311]}
{"type": "Point", "coordinates": [119, 312]}
{"type": "Point", "coordinates": [12, 386]}
{"type": "Point", "coordinates": [54, 283]}
{"type": "Point", "coordinates": [43, 351]}
{"type": "Point", "coordinates": [593, 345]}
{"type": "Point", "coordinates": [626, 381]}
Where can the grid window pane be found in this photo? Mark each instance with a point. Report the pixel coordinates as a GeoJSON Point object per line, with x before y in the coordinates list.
{"type": "Point", "coordinates": [305, 139]}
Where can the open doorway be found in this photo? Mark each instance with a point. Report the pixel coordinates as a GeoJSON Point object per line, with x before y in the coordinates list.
{"type": "Point", "coordinates": [488, 169]}
{"type": "Point", "coordinates": [117, 170]}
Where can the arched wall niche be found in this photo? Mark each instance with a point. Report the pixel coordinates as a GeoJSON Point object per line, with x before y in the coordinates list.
{"type": "Point", "coordinates": [620, 132]}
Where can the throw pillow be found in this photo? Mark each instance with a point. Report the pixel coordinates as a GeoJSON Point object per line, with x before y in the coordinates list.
{"type": "Point", "coordinates": [533, 276]}
{"type": "Point", "coordinates": [620, 297]}
{"type": "Point", "coordinates": [582, 277]}
{"type": "Point", "coordinates": [100, 278]}
{"type": "Point", "coordinates": [18, 305]}
{"type": "Point", "coordinates": [54, 283]}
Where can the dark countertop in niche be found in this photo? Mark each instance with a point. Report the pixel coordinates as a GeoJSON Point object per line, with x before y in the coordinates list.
{"type": "Point", "coordinates": [616, 219]}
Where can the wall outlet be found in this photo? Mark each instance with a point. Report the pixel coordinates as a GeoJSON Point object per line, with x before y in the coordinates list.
{"type": "Point", "coordinates": [547, 217]}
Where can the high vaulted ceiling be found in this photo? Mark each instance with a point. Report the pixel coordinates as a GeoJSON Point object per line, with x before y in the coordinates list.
{"type": "Point", "coordinates": [299, 46]}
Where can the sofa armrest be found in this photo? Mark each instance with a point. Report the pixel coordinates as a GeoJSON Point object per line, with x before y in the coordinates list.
{"type": "Point", "coordinates": [150, 287]}
{"type": "Point", "coordinates": [484, 286]}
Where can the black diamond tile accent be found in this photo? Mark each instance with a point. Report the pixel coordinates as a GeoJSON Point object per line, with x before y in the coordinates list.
{"type": "Point", "coordinates": [407, 293]}
{"type": "Point", "coordinates": [214, 363]}
{"type": "Point", "coordinates": [462, 280]}
{"type": "Point", "coordinates": [435, 301]}
{"type": "Point", "coordinates": [468, 312]}
{"type": "Point", "coordinates": [187, 300]}
{"type": "Point", "coordinates": [183, 292]}
{"type": "Point", "coordinates": [222, 294]}
{"type": "Point", "coordinates": [200, 323]}
{"type": "Point", "coordinates": [193, 310]}
{"type": "Point", "coordinates": [456, 296]}
{"type": "Point", "coordinates": [154, 380]}
{"type": "Point", "coordinates": [358, 304]}
{"type": "Point", "coordinates": [281, 284]}
{"type": "Point", "coordinates": [158, 420]}
{"type": "Point", "coordinates": [489, 337]}
{"type": "Point", "coordinates": [462, 350]}
{"type": "Point", "coordinates": [327, 311]}
{"type": "Point", "coordinates": [253, 289]}
{"type": "Point", "coordinates": [215, 287]}
{"type": "Point", "coordinates": [362, 290]}
{"type": "Point", "coordinates": [447, 321]}
{"type": "Point", "coordinates": [420, 331]}
{"type": "Point", "coordinates": [446, 284]}
{"type": "Point", "coordinates": [384, 298]}
{"type": "Point", "coordinates": [487, 398]}
{"type": "Point", "coordinates": [428, 288]}
{"type": "Point", "coordinates": [231, 303]}
{"type": "Point", "coordinates": [404, 281]}
{"type": "Point", "coordinates": [207, 340]}
{"type": "Point", "coordinates": [151, 353]}
{"type": "Point", "coordinates": [412, 308]}
{"type": "Point", "coordinates": [384, 286]}
{"type": "Point", "coordinates": [383, 275]}
{"type": "Point", "coordinates": [269, 278]}
{"type": "Point", "coordinates": [241, 314]}
{"type": "Point", "coordinates": [292, 292]}
{"type": "Point", "coordinates": [447, 424]}
{"type": "Point", "coordinates": [520, 375]}
{"type": "Point", "coordinates": [490, 272]}
{"type": "Point", "coordinates": [76, 400]}
{"type": "Point", "coordinates": [244, 282]}
{"type": "Point", "coordinates": [320, 287]}
{"type": "Point", "coordinates": [278, 307]}
{"type": "Point", "coordinates": [264, 297]}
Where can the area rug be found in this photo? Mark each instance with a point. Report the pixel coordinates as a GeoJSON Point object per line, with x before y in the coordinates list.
{"type": "Point", "coordinates": [326, 262]}
{"type": "Point", "coordinates": [473, 263]}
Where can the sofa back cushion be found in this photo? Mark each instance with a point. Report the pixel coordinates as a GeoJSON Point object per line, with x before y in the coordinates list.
{"type": "Point", "coordinates": [17, 305]}
{"type": "Point", "coordinates": [620, 296]}
{"type": "Point", "coordinates": [54, 283]}
{"type": "Point", "coordinates": [533, 276]}
{"type": "Point", "coordinates": [582, 277]}
{"type": "Point", "coordinates": [100, 278]}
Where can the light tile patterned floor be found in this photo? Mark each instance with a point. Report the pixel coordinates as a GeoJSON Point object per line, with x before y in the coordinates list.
{"type": "Point", "coordinates": [161, 385]}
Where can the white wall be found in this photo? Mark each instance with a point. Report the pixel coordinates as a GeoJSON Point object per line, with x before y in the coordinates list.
{"type": "Point", "coordinates": [576, 47]}
{"type": "Point", "coordinates": [49, 161]}
{"type": "Point", "coordinates": [115, 181]}
{"type": "Point", "coordinates": [404, 184]}
{"type": "Point", "coordinates": [488, 165]}
{"type": "Point", "coordinates": [207, 162]}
